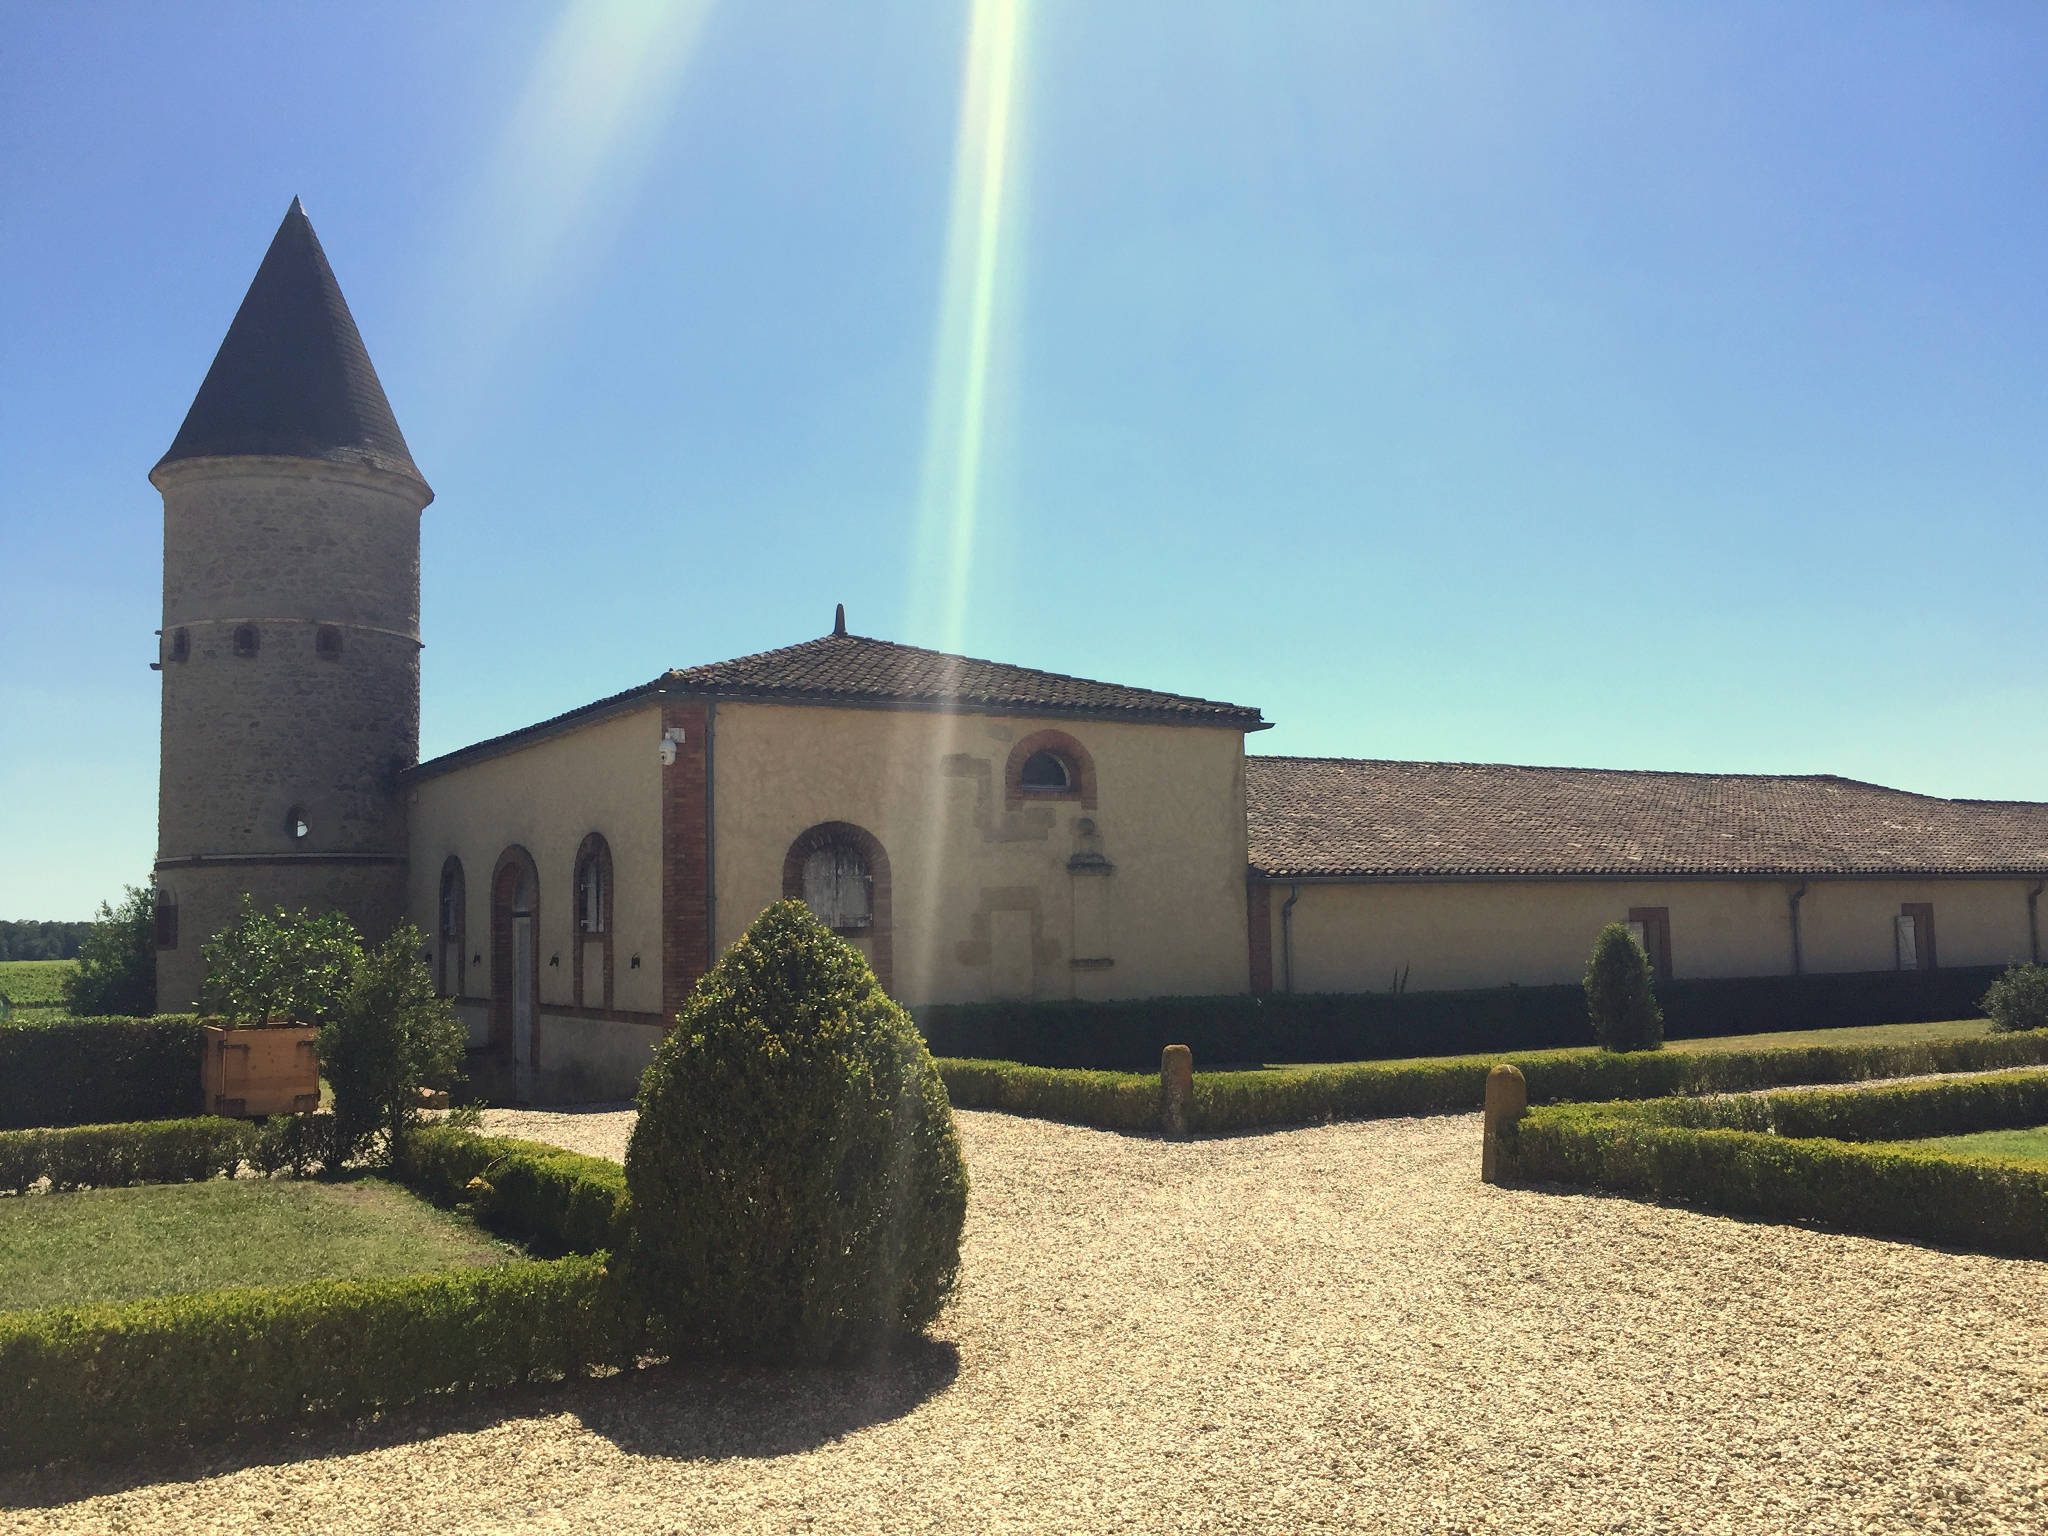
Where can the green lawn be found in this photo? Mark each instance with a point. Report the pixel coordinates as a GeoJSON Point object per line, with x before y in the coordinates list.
{"type": "Point", "coordinates": [2021, 1143]}
{"type": "Point", "coordinates": [36, 984]}
{"type": "Point", "coordinates": [162, 1239]}
{"type": "Point", "coordinates": [1867, 1034]}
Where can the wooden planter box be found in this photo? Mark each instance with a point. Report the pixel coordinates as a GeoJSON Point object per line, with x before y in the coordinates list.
{"type": "Point", "coordinates": [273, 1070]}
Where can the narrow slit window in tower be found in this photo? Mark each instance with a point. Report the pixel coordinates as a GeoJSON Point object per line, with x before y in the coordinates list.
{"type": "Point", "coordinates": [296, 827]}
{"type": "Point", "coordinates": [181, 645]}
{"type": "Point", "coordinates": [327, 643]}
{"type": "Point", "coordinates": [245, 639]}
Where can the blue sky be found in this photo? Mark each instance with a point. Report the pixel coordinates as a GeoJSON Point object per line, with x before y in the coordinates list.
{"type": "Point", "coordinates": [1629, 385]}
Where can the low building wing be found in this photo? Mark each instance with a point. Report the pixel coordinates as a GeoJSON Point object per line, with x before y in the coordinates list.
{"type": "Point", "coordinates": [1311, 817]}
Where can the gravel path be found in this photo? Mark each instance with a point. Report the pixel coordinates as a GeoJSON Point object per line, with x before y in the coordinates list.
{"type": "Point", "coordinates": [1334, 1329]}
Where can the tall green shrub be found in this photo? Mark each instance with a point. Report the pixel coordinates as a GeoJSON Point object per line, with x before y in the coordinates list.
{"type": "Point", "coordinates": [117, 962]}
{"type": "Point", "coordinates": [1619, 997]}
{"type": "Point", "coordinates": [797, 1186]}
{"type": "Point", "coordinates": [2019, 998]}
{"type": "Point", "coordinates": [389, 1036]}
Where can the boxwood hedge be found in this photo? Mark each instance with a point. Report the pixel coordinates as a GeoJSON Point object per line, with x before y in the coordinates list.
{"type": "Point", "coordinates": [1366, 1026]}
{"type": "Point", "coordinates": [1239, 1101]}
{"type": "Point", "coordinates": [107, 1379]}
{"type": "Point", "coordinates": [1690, 1151]}
{"type": "Point", "coordinates": [557, 1201]}
{"type": "Point", "coordinates": [112, 1378]}
{"type": "Point", "coordinates": [98, 1071]}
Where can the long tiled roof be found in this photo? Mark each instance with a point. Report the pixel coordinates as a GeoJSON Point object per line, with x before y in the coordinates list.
{"type": "Point", "coordinates": [1318, 816]}
{"type": "Point", "coordinates": [292, 377]}
{"type": "Point", "coordinates": [861, 672]}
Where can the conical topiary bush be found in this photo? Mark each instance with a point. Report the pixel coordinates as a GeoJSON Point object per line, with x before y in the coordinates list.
{"type": "Point", "coordinates": [797, 1187]}
{"type": "Point", "coordinates": [1620, 998]}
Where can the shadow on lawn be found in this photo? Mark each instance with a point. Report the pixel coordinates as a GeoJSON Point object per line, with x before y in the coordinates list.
{"type": "Point", "coordinates": [692, 1411]}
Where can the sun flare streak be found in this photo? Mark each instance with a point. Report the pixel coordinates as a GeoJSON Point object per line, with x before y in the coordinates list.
{"type": "Point", "coordinates": [979, 267]}
{"type": "Point", "coordinates": [980, 271]}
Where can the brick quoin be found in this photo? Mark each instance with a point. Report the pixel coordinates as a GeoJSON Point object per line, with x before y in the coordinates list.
{"type": "Point", "coordinates": [685, 858]}
{"type": "Point", "coordinates": [1258, 908]}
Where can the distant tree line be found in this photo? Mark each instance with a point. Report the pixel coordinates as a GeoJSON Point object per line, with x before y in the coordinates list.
{"type": "Point", "coordinates": [41, 941]}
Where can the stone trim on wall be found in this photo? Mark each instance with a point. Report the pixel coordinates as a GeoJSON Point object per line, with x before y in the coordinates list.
{"type": "Point", "coordinates": [880, 932]}
{"type": "Point", "coordinates": [1080, 771]}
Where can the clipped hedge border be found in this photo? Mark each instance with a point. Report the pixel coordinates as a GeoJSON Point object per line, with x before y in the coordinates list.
{"type": "Point", "coordinates": [1372, 1026]}
{"type": "Point", "coordinates": [1999, 1205]}
{"type": "Point", "coordinates": [108, 1156]}
{"type": "Point", "coordinates": [98, 1071]}
{"type": "Point", "coordinates": [111, 1379]}
{"type": "Point", "coordinates": [549, 1198]}
{"type": "Point", "coordinates": [1371, 1090]}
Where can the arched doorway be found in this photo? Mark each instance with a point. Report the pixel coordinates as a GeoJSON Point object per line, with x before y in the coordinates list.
{"type": "Point", "coordinates": [515, 967]}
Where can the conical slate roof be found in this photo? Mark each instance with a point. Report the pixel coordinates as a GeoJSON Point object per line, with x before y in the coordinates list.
{"type": "Point", "coordinates": [292, 378]}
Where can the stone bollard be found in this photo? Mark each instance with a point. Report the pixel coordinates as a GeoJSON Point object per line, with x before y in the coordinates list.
{"type": "Point", "coordinates": [1507, 1095]}
{"type": "Point", "coordinates": [1176, 1090]}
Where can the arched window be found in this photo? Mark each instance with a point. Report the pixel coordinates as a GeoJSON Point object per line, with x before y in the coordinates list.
{"type": "Point", "coordinates": [296, 826]}
{"type": "Point", "coordinates": [454, 923]}
{"type": "Point", "coordinates": [840, 872]}
{"type": "Point", "coordinates": [1049, 765]}
{"type": "Point", "coordinates": [591, 964]}
{"type": "Point", "coordinates": [166, 917]}
{"type": "Point", "coordinates": [1044, 771]}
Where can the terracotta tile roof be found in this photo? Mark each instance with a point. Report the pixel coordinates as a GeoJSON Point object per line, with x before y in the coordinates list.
{"type": "Point", "coordinates": [292, 377]}
{"type": "Point", "coordinates": [856, 671]}
{"type": "Point", "coordinates": [1311, 816]}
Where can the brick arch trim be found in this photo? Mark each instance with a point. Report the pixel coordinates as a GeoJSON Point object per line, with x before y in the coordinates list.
{"type": "Point", "coordinates": [828, 834]}
{"type": "Point", "coordinates": [1080, 771]}
{"type": "Point", "coordinates": [593, 848]}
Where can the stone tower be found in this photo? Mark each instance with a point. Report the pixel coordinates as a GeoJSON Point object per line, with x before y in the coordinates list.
{"type": "Point", "coordinates": [290, 655]}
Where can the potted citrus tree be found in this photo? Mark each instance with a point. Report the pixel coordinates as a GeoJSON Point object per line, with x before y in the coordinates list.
{"type": "Point", "coordinates": [272, 980]}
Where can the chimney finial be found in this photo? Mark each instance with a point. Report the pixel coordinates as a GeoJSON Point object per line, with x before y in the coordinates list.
{"type": "Point", "coordinates": [839, 620]}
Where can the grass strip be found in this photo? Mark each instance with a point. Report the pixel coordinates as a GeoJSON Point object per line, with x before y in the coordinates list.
{"type": "Point", "coordinates": [166, 1239]}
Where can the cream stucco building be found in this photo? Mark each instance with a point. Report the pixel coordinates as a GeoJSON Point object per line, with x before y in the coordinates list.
{"type": "Point", "coordinates": [980, 830]}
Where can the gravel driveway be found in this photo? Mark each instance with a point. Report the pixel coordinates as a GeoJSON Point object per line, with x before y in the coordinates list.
{"type": "Point", "coordinates": [1313, 1330]}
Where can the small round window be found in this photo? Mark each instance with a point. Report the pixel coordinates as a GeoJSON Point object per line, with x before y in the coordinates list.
{"type": "Point", "coordinates": [295, 824]}
{"type": "Point", "coordinates": [1045, 771]}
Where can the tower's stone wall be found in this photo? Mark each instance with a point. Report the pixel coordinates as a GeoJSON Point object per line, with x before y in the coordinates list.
{"type": "Point", "coordinates": [290, 657]}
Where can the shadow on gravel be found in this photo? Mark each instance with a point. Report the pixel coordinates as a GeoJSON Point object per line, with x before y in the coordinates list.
{"type": "Point", "coordinates": [685, 1412]}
